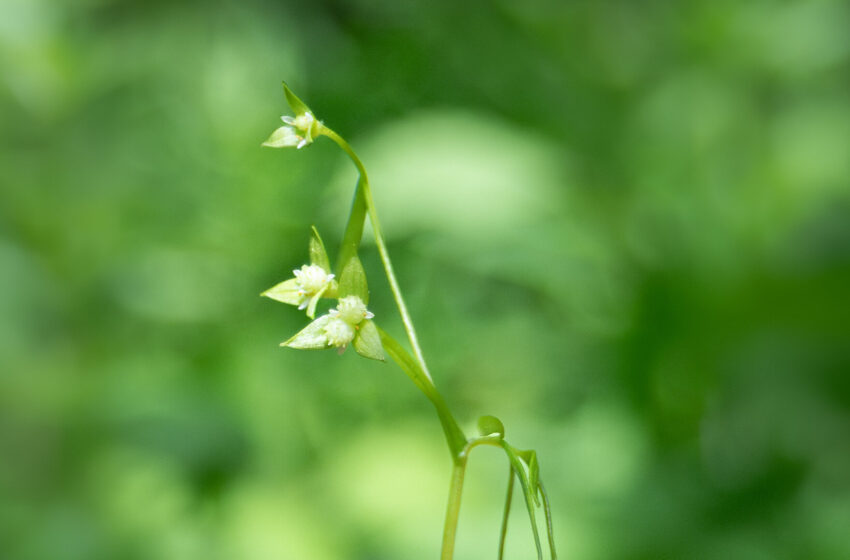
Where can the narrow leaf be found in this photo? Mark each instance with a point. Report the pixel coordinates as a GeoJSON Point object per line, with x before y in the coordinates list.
{"type": "Point", "coordinates": [318, 255]}
{"type": "Point", "coordinates": [367, 342]}
{"type": "Point", "coordinates": [286, 292]}
{"type": "Point", "coordinates": [298, 106]}
{"type": "Point", "coordinates": [550, 532]}
{"type": "Point", "coordinates": [530, 458]}
{"type": "Point", "coordinates": [311, 337]}
{"type": "Point", "coordinates": [527, 491]}
{"type": "Point", "coordinates": [354, 228]}
{"type": "Point", "coordinates": [352, 281]}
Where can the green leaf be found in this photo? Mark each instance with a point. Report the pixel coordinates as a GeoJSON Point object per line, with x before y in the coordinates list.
{"type": "Point", "coordinates": [318, 255]}
{"type": "Point", "coordinates": [550, 531]}
{"type": "Point", "coordinates": [298, 106]}
{"type": "Point", "coordinates": [527, 490]}
{"type": "Point", "coordinates": [352, 281]}
{"type": "Point", "coordinates": [286, 292]}
{"type": "Point", "coordinates": [530, 458]}
{"type": "Point", "coordinates": [354, 228]}
{"type": "Point", "coordinates": [311, 337]}
{"type": "Point", "coordinates": [488, 425]}
{"type": "Point", "coordinates": [367, 342]}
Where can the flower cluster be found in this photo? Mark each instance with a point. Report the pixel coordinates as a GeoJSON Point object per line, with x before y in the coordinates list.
{"type": "Point", "coordinates": [340, 327]}
{"type": "Point", "coordinates": [348, 323]}
{"type": "Point", "coordinates": [309, 284]}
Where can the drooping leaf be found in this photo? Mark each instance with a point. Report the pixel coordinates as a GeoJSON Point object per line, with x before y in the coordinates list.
{"type": "Point", "coordinates": [522, 474]}
{"type": "Point", "coordinates": [550, 532]}
{"type": "Point", "coordinates": [286, 292]}
{"type": "Point", "coordinates": [530, 459]}
{"type": "Point", "coordinates": [352, 281]}
{"type": "Point", "coordinates": [298, 106]}
{"type": "Point", "coordinates": [367, 341]}
{"type": "Point", "coordinates": [311, 337]}
{"type": "Point", "coordinates": [318, 254]}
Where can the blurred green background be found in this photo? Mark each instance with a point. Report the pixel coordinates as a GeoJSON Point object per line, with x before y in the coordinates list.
{"type": "Point", "coordinates": [622, 227]}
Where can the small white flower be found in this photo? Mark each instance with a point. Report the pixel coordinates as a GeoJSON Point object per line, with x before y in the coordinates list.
{"type": "Point", "coordinates": [352, 310]}
{"type": "Point", "coordinates": [338, 332]}
{"type": "Point", "coordinates": [311, 280]}
{"type": "Point", "coordinates": [297, 131]}
{"type": "Point", "coordinates": [339, 328]}
{"type": "Point", "coordinates": [309, 284]}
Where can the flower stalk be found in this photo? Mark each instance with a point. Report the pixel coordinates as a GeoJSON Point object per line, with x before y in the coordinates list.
{"type": "Point", "coordinates": [351, 323]}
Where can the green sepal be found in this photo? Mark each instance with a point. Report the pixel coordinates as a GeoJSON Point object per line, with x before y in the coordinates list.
{"type": "Point", "coordinates": [285, 292]}
{"type": "Point", "coordinates": [318, 254]}
{"type": "Point", "coordinates": [352, 281]}
{"type": "Point", "coordinates": [367, 342]}
{"type": "Point", "coordinates": [489, 425]}
{"type": "Point", "coordinates": [311, 306]}
{"type": "Point", "coordinates": [298, 106]}
{"type": "Point", "coordinates": [311, 337]}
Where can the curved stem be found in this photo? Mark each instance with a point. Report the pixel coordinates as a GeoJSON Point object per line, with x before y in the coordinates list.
{"type": "Point", "coordinates": [455, 438]}
{"type": "Point", "coordinates": [364, 191]}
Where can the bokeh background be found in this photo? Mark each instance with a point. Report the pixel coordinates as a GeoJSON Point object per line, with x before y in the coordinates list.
{"type": "Point", "coordinates": [622, 227]}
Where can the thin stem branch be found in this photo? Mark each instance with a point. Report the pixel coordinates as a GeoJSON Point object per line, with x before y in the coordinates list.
{"type": "Point", "coordinates": [508, 499]}
{"type": "Point", "coordinates": [365, 191]}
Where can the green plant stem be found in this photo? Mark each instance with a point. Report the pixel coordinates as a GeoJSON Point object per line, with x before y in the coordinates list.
{"type": "Point", "coordinates": [416, 368]}
{"type": "Point", "coordinates": [453, 509]}
{"type": "Point", "coordinates": [508, 499]}
{"type": "Point", "coordinates": [455, 438]}
{"type": "Point", "coordinates": [364, 191]}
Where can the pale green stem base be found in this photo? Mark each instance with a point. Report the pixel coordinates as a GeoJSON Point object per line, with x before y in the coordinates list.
{"type": "Point", "coordinates": [453, 510]}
